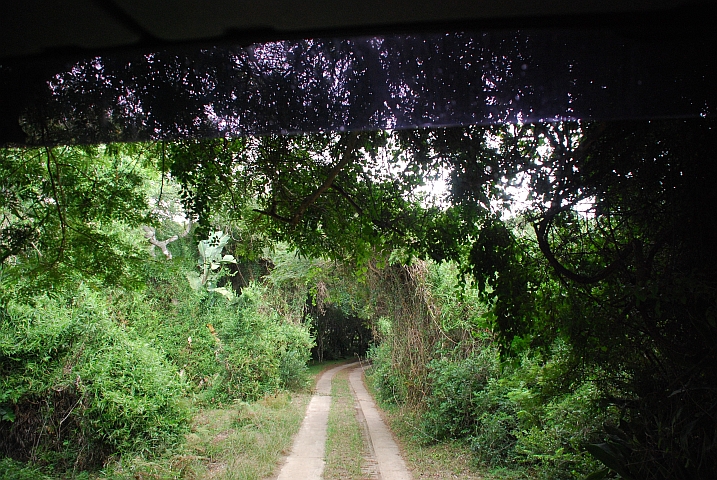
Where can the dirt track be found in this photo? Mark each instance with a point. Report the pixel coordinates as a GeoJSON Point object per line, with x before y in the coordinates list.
{"type": "Point", "coordinates": [306, 460]}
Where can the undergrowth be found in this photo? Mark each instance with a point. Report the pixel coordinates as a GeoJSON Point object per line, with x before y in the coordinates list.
{"type": "Point", "coordinates": [527, 416]}
{"type": "Point", "coordinates": [78, 388]}
{"type": "Point", "coordinates": [94, 375]}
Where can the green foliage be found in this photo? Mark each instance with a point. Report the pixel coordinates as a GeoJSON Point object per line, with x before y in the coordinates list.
{"type": "Point", "coordinates": [109, 373]}
{"type": "Point", "coordinates": [506, 278]}
{"type": "Point", "coordinates": [211, 262]}
{"type": "Point", "coordinates": [615, 263]}
{"type": "Point", "coordinates": [342, 195]}
{"type": "Point", "coordinates": [225, 349]}
{"type": "Point", "coordinates": [494, 440]}
{"type": "Point", "coordinates": [72, 212]}
{"type": "Point", "coordinates": [173, 317]}
{"type": "Point", "coordinates": [557, 434]}
{"type": "Point", "coordinates": [601, 292]}
{"type": "Point", "coordinates": [455, 388]}
{"type": "Point", "coordinates": [387, 380]}
{"type": "Point", "coordinates": [11, 469]}
{"type": "Point", "coordinates": [261, 352]}
{"type": "Point", "coordinates": [96, 387]}
{"type": "Point", "coordinates": [534, 413]}
{"type": "Point", "coordinates": [513, 415]}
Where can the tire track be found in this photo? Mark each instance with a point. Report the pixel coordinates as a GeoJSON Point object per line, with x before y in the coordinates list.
{"type": "Point", "coordinates": [382, 458]}
{"type": "Point", "coordinates": [389, 464]}
{"type": "Point", "coordinates": [306, 460]}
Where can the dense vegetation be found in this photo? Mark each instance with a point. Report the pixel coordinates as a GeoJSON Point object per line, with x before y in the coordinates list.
{"type": "Point", "coordinates": [568, 334]}
{"type": "Point", "coordinates": [106, 350]}
{"type": "Point", "coordinates": [527, 417]}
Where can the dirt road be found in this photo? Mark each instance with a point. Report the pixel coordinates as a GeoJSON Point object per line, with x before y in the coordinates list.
{"type": "Point", "coordinates": [306, 460]}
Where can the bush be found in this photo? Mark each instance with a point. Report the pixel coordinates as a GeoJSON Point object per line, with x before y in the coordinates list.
{"type": "Point", "coordinates": [260, 351]}
{"type": "Point", "coordinates": [80, 386]}
{"type": "Point", "coordinates": [494, 440]}
{"type": "Point", "coordinates": [527, 418]}
{"type": "Point", "coordinates": [519, 414]}
{"type": "Point", "coordinates": [387, 380]}
{"type": "Point", "coordinates": [456, 386]}
{"type": "Point", "coordinates": [240, 349]}
{"type": "Point", "coordinates": [179, 322]}
{"type": "Point", "coordinates": [555, 442]}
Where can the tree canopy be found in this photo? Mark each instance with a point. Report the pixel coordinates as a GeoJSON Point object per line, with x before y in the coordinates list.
{"type": "Point", "coordinates": [73, 211]}
{"type": "Point", "coordinates": [362, 83]}
{"type": "Point", "coordinates": [611, 251]}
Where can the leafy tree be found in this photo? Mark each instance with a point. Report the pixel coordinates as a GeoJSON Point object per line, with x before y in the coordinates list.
{"type": "Point", "coordinates": [617, 264]}
{"type": "Point", "coordinates": [338, 195]}
{"type": "Point", "coordinates": [611, 253]}
{"type": "Point", "coordinates": [71, 212]}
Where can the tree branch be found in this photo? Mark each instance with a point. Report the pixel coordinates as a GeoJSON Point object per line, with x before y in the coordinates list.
{"type": "Point", "coordinates": [151, 235]}
{"type": "Point", "coordinates": [345, 160]}
{"type": "Point", "coordinates": [348, 198]}
{"type": "Point", "coordinates": [272, 214]}
{"type": "Point", "coordinates": [541, 231]}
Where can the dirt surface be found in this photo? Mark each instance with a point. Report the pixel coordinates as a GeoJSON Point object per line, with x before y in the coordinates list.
{"type": "Point", "coordinates": [306, 460]}
{"type": "Point", "coordinates": [388, 459]}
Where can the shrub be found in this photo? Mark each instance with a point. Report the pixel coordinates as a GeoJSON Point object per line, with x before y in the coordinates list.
{"type": "Point", "coordinates": [10, 469]}
{"type": "Point", "coordinates": [554, 444]}
{"type": "Point", "coordinates": [80, 386]}
{"type": "Point", "coordinates": [225, 349]}
{"type": "Point", "coordinates": [529, 417]}
{"type": "Point", "coordinates": [494, 440]}
{"type": "Point", "coordinates": [179, 322]}
{"type": "Point", "coordinates": [456, 385]}
{"type": "Point", "coordinates": [260, 351]}
{"type": "Point", "coordinates": [515, 414]}
{"type": "Point", "coordinates": [387, 380]}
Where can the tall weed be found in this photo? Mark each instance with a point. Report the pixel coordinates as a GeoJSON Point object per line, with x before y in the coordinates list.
{"type": "Point", "coordinates": [261, 352]}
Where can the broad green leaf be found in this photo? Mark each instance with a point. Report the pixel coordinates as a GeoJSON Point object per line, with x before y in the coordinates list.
{"type": "Point", "coordinates": [195, 281]}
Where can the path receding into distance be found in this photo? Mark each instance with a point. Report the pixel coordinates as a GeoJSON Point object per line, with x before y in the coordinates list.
{"type": "Point", "coordinates": [306, 460]}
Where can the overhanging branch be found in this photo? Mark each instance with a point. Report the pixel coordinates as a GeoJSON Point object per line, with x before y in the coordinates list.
{"type": "Point", "coordinates": [346, 158]}
{"type": "Point", "coordinates": [348, 198]}
{"type": "Point", "coordinates": [541, 231]}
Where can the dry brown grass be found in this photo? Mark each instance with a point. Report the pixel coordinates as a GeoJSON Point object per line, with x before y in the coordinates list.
{"type": "Point", "coordinates": [240, 442]}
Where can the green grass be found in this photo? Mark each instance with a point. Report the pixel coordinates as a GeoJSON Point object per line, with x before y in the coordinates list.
{"type": "Point", "coordinates": [236, 441]}
{"type": "Point", "coordinates": [345, 445]}
{"type": "Point", "coordinates": [243, 441]}
{"type": "Point", "coordinates": [315, 368]}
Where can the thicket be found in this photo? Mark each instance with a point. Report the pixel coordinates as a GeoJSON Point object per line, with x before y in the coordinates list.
{"type": "Point", "coordinates": [598, 299]}
{"type": "Point", "coordinates": [77, 387]}
{"type": "Point", "coordinates": [440, 361]}
{"type": "Point", "coordinates": [610, 256]}
{"type": "Point", "coordinates": [98, 374]}
{"type": "Point", "coordinates": [107, 350]}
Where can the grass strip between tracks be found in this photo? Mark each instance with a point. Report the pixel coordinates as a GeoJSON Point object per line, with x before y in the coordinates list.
{"type": "Point", "coordinates": [345, 447]}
